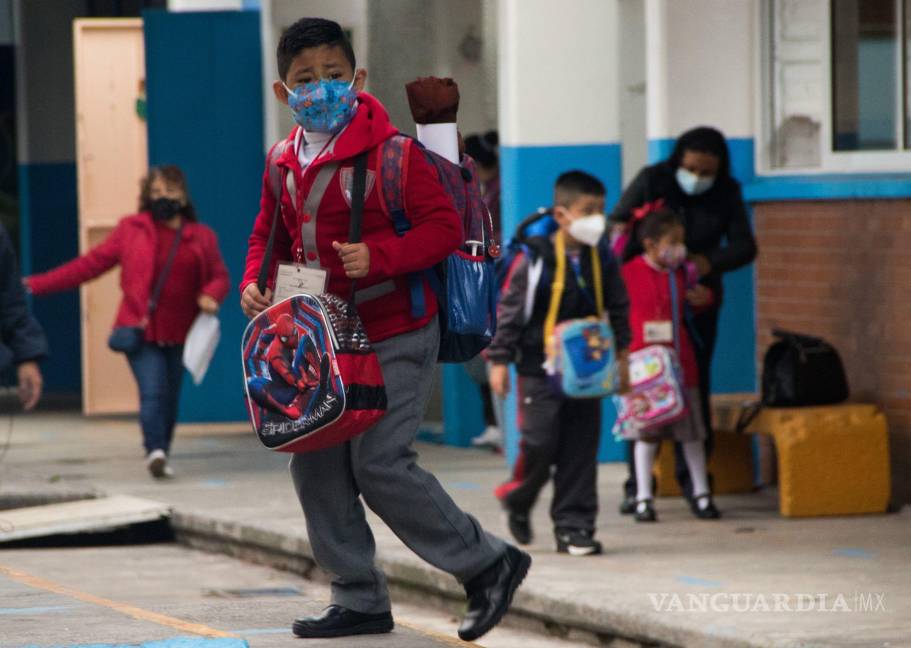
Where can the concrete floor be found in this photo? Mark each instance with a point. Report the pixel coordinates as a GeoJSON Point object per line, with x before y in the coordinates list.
{"type": "Point", "coordinates": [649, 585]}
{"type": "Point", "coordinates": [166, 586]}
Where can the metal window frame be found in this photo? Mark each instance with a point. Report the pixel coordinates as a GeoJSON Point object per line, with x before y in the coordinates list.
{"type": "Point", "coordinates": [898, 160]}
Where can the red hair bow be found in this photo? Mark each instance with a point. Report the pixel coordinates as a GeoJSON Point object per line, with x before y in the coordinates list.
{"type": "Point", "coordinates": [641, 212]}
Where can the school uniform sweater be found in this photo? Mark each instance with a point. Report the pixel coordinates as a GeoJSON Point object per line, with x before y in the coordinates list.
{"type": "Point", "coordinates": [650, 301]}
{"type": "Point", "coordinates": [306, 235]}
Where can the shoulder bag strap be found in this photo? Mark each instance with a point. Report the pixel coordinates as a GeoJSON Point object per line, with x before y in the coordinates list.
{"type": "Point", "coordinates": [165, 271]}
{"type": "Point", "coordinates": [358, 185]}
{"type": "Point", "coordinates": [599, 281]}
{"type": "Point", "coordinates": [263, 278]}
{"type": "Point", "coordinates": [675, 311]}
{"type": "Point", "coordinates": [556, 288]}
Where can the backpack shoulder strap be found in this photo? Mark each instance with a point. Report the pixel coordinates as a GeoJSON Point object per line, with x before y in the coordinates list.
{"type": "Point", "coordinates": [275, 175]}
{"type": "Point", "coordinates": [395, 153]}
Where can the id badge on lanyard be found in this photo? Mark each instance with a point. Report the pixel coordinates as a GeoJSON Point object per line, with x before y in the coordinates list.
{"type": "Point", "coordinates": [293, 279]}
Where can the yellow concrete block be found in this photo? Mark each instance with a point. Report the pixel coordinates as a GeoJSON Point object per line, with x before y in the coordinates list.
{"type": "Point", "coordinates": [831, 460]}
{"type": "Point", "coordinates": [731, 465]}
{"type": "Point", "coordinates": [772, 418]}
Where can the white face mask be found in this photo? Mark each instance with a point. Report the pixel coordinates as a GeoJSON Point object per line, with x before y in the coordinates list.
{"type": "Point", "coordinates": [588, 229]}
{"type": "Point", "coordinates": [692, 184]}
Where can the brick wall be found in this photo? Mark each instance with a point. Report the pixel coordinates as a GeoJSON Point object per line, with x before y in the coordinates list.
{"type": "Point", "coordinates": [842, 270]}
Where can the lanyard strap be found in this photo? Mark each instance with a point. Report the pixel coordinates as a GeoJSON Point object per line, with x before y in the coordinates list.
{"type": "Point", "coordinates": [559, 284]}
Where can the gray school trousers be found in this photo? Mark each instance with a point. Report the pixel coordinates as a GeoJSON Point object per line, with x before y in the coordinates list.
{"type": "Point", "coordinates": [380, 465]}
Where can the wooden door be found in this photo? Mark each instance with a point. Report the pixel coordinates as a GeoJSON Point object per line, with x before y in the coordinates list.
{"type": "Point", "coordinates": [111, 159]}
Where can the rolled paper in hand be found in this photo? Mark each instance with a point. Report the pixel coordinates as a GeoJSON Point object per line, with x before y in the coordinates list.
{"type": "Point", "coordinates": [434, 105]}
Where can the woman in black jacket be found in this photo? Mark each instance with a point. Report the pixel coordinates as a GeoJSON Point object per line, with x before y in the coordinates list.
{"type": "Point", "coordinates": [696, 181]}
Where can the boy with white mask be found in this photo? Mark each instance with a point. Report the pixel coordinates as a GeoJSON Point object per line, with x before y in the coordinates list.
{"type": "Point", "coordinates": [558, 433]}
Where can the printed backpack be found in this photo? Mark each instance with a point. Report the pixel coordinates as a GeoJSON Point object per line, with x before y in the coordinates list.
{"type": "Point", "coordinates": [581, 356]}
{"type": "Point", "coordinates": [312, 378]}
{"type": "Point", "coordinates": [655, 398]}
{"type": "Point", "coordinates": [464, 283]}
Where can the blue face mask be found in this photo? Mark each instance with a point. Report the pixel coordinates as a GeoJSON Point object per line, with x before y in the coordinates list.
{"type": "Point", "coordinates": [692, 184]}
{"type": "Point", "coordinates": [324, 106]}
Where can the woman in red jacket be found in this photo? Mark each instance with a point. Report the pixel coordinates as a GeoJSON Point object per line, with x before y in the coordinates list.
{"type": "Point", "coordinates": [197, 281]}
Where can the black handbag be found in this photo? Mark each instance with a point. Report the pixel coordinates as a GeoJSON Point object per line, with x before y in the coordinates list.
{"type": "Point", "coordinates": [799, 371]}
{"type": "Point", "coordinates": [129, 339]}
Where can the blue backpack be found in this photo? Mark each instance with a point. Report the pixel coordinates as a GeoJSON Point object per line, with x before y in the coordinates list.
{"type": "Point", "coordinates": [464, 283]}
{"type": "Point", "coordinates": [540, 223]}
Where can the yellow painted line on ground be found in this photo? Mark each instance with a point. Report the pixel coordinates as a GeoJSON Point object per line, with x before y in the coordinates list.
{"type": "Point", "coordinates": [452, 641]}
{"type": "Point", "coordinates": [124, 608]}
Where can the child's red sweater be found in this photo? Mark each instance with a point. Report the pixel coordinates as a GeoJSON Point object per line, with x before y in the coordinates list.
{"type": "Point", "coordinates": [650, 301]}
{"type": "Point", "coordinates": [436, 229]}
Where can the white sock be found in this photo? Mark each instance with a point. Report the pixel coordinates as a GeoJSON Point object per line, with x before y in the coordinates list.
{"type": "Point", "coordinates": [644, 454]}
{"type": "Point", "coordinates": [694, 452]}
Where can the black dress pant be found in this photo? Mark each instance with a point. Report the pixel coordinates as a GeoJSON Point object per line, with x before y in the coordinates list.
{"type": "Point", "coordinates": [560, 438]}
{"type": "Point", "coordinates": [703, 329]}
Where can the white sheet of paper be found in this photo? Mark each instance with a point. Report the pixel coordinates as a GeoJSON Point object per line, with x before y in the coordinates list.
{"type": "Point", "coordinates": [658, 332]}
{"type": "Point", "coordinates": [294, 279]}
{"type": "Point", "coordinates": [442, 139]}
{"type": "Point", "coordinates": [200, 346]}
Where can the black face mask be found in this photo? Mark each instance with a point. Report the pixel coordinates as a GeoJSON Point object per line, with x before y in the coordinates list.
{"type": "Point", "coordinates": [164, 209]}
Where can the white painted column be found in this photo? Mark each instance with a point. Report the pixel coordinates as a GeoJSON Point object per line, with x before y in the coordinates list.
{"type": "Point", "coordinates": [700, 65]}
{"type": "Point", "coordinates": [559, 72]}
{"type": "Point", "coordinates": [559, 91]}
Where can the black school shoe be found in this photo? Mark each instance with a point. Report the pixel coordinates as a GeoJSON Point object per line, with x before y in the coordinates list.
{"type": "Point", "coordinates": [336, 621]}
{"type": "Point", "coordinates": [577, 542]}
{"type": "Point", "coordinates": [628, 506]}
{"type": "Point", "coordinates": [491, 592]}
{"type": "Point", "coordinates": [520, 527]}
{"type": "Point", "coordinates": [707, 512]}
{"type": "Point", "coordinates": [645, 511]}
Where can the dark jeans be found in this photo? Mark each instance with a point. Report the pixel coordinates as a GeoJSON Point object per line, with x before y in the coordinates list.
{"type": "Point", "coordinates": [159, 372]}
{"type": "Point", "coordinates": [703, 333]}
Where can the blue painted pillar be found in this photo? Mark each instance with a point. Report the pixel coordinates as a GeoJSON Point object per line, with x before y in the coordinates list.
{"type": "Point", "coordinates": [559, 110]}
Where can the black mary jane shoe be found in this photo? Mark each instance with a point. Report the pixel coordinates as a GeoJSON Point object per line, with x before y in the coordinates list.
{"type": "Point", "coordinates": [645, 512]}
{"type": "Point", "coordinates": [707, 512]}
{"type": "Point", "coordinates": [628, 505]}
{"type": "Point", "coordinates": [336, 621]}
{"type": "Point", "coordinates": [490, 593]}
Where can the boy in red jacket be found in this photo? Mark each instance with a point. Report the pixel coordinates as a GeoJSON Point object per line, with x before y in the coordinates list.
{"type": "Point", "coordinates": [338, 121]}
